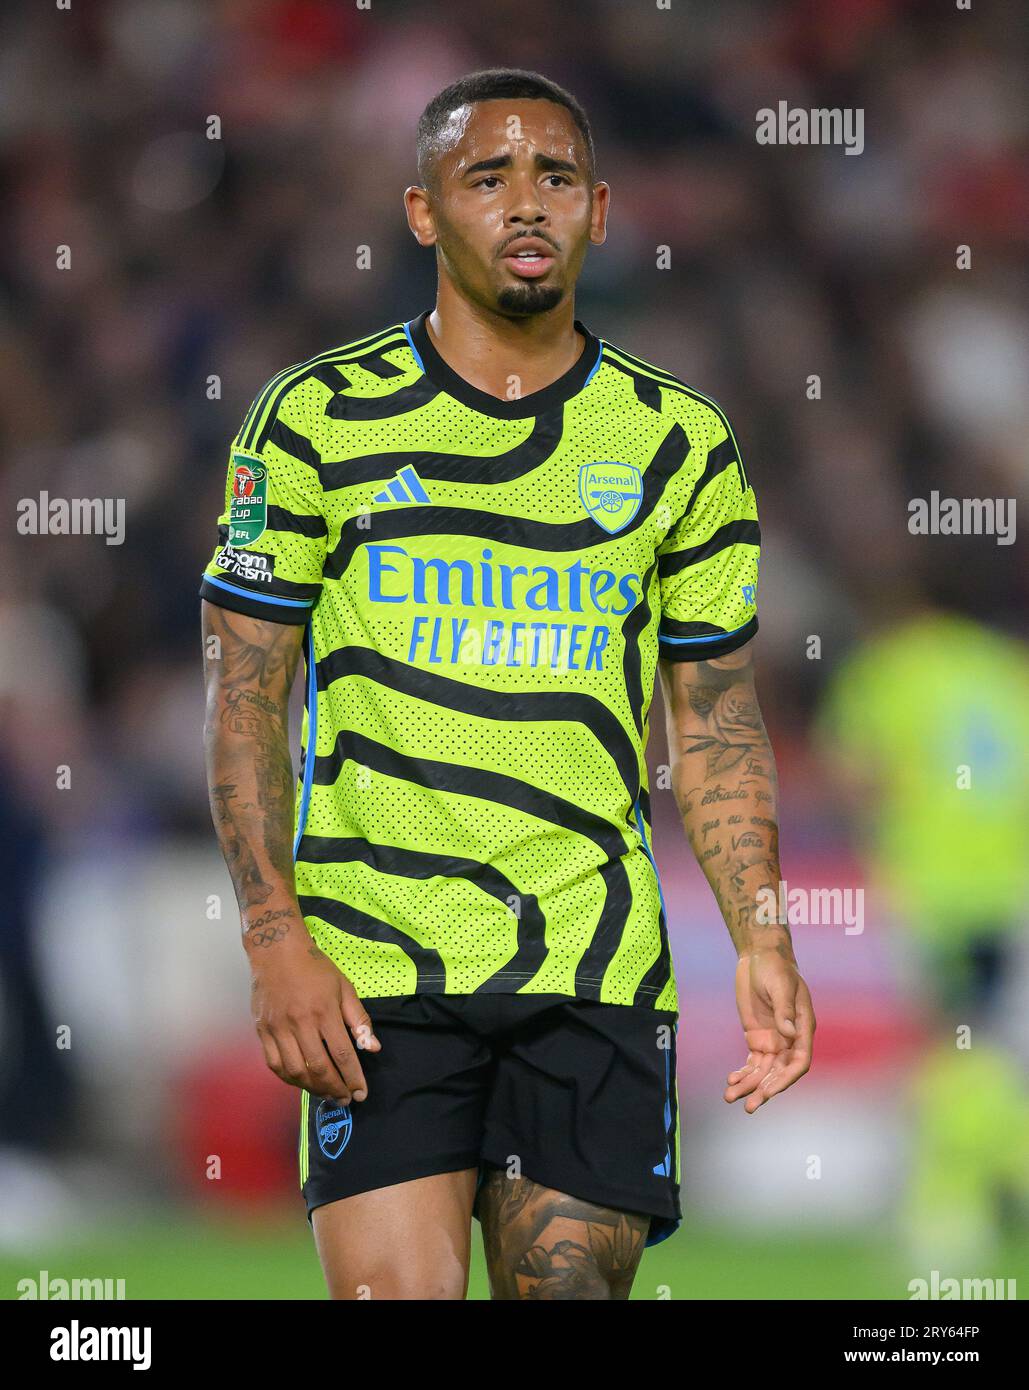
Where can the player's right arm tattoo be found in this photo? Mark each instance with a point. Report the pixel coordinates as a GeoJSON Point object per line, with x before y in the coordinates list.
{"type": "Point", "coordinates": [249, 667]}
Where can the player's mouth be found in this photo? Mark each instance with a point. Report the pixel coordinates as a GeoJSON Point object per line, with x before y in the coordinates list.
{"type": "Point", "coordinates": [529, 257]}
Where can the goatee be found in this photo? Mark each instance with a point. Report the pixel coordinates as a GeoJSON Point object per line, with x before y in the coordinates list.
{"type": "Point", "coordinates": [528, 299]}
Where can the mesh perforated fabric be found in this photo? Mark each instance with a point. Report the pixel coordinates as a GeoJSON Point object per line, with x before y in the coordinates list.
{"type": "Point", "coordinates": [474, 812]}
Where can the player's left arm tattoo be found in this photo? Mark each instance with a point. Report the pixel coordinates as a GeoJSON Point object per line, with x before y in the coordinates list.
{"type": "Point", "coordinates": [724, 782]}
{"type": "Point", "coordinates": [542, 1244]}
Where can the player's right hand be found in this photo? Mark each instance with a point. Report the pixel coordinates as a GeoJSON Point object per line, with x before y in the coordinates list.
{"type": "Point", "coordinates": [306, 1012]}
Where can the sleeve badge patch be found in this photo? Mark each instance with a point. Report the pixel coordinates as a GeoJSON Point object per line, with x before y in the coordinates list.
{"type": "Point", "coordinates": [248, 512]}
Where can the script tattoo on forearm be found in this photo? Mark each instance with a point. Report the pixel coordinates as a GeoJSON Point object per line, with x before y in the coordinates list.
{"type": "Point", "coordinates": [725, 786]}
{"type": "Point", "coordinates": [250, 771]}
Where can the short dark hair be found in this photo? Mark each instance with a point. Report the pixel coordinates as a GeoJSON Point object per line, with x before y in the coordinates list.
{"type": "Point", "coordinates": [490, 85]}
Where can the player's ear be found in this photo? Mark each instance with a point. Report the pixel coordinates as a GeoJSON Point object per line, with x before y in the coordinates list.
{"type": "Point", "coordinates": [601, 206]}
{"type": "Point", "coordinates": [418, 204]}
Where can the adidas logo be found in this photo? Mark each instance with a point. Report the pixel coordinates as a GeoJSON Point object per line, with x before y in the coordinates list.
{"type": "Point", "coordinates": [405, 487]}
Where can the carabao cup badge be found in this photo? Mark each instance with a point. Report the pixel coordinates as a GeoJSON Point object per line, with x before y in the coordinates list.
{"type": "Point", "coordinates": [611, 493]}
{"type": "Point", "coordinates": [248, 512]}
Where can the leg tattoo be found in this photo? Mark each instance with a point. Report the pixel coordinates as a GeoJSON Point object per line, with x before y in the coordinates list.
{"type": "Point", "coordinates": [544, 1244]}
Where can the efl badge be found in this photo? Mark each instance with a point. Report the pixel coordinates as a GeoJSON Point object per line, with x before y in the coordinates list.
{"type": "Point", "coordinates": [333, 1124]}
{"type": "Point", "coordinates": [248, 514]}
{"type": "Point", "coordinates": [611, 493]}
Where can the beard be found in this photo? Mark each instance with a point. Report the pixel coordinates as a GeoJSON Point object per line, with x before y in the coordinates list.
{"type": "Point", "coordinates": [529, 299]}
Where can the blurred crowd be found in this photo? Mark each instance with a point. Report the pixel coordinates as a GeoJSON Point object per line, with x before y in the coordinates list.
{"type": "Point", "coordinates": [196, 261]}
{"type": "Point", "coordinates": [865, 358]}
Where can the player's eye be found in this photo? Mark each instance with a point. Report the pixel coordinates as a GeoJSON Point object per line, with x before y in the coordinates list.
{"type": "Point", "coordinates": [561, 178]}
{"type": "Point", "coordinates": [491, 179]}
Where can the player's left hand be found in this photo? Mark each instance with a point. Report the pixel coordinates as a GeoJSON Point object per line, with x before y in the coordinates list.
{"type": "Point", "coordinates": [778, 1021]}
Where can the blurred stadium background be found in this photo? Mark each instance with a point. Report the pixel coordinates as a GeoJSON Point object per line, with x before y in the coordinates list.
{"type": "Point", "coordinates": [193, 259]}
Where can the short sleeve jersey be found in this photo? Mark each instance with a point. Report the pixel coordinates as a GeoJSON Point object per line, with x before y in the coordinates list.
{"type": "Point", "coordinates": [486, 586]}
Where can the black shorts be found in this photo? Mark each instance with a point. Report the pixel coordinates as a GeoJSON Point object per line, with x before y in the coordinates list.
{"type": "Point", "coordinates": [580, 1093]}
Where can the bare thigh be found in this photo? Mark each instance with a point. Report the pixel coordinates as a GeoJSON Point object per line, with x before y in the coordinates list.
{"type": "Point", "coordinates": [408, 1241]}
{"type": "Point", "coordinates": [543, 1244]}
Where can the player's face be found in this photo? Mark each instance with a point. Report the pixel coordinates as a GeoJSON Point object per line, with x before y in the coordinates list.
{"type": "Point", "coordinates": [513, 210]}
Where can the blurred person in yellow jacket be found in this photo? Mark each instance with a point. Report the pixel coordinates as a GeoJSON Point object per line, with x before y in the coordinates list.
{"type": "Point", "coordinates": [925, 720]}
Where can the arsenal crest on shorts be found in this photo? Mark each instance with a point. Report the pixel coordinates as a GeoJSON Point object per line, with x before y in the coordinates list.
{"type": "Point", "coordinates": [611, 493]}
{"type": "Point", "coordinates": [333, 1124]}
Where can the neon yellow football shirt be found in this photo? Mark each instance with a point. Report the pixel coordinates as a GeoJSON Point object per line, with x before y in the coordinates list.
{"type": "Point", "coordinates": [486, 587]}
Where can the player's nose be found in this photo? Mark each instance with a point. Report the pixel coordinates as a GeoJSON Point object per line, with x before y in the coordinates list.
{"type": "Point", "coordinates": [525, 204]}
